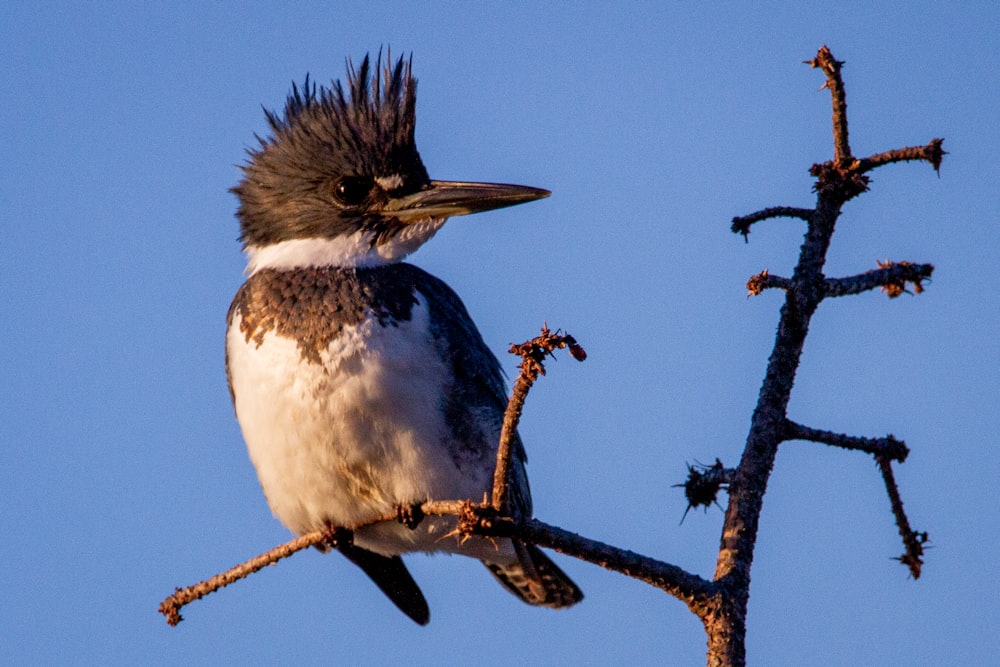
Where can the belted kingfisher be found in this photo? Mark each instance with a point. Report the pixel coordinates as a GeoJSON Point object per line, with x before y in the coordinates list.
{"type": "Point", "coordinates": [361, 384]}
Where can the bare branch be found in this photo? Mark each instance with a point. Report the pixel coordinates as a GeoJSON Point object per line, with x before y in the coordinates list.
{"type": "Point", "coordinates": [889, 446]}
{"type": "Point", "coordinates": [689, 588]}
{"type": "Point", "coordinates": [742, 223]}
{"type": "Point", "coordinates": [891, 277]}
{"type": "Point", "coordinates": [913, 540]}
{"type": "Point", "coordinates": [764, 280]}
{"type": "Point", "coordinates": [825, 61]}
{"type": "Point", "coordinates": [837, 181]}
{"type": "Point", "coordinates": [479, 519]}
{"type": "Point", "coordinates": [932, 153]}
{"type": "Point", "coordinates": [532, 353]}
{"type": "Point", "coordinates": [171, 606]}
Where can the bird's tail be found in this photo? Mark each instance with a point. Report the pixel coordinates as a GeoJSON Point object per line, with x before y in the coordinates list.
{"type": "Point", "coordinates": [534, 578]}
{"type": "Point", "coordinates": [391, 576]}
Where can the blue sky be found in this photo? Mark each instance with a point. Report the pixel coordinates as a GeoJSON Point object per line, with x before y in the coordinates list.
{"type": "Point", "coordinates": [122, 466]}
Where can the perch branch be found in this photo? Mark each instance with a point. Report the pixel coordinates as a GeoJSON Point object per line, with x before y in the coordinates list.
{"type": "Point", "coordinates": [532, 354]}
{"type": "Point", "coordinates": [480, 519]}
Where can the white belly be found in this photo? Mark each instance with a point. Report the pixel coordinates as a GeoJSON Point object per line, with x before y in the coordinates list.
{"type": "Point", "coordinates": [352, 437]}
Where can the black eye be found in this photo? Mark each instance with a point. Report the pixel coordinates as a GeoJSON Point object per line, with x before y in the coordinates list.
{"type": "Point", "coordinates": [352, 190]}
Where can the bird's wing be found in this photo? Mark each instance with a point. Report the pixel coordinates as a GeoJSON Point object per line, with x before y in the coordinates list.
{"type": "Point", "coordinates": [480, 386]}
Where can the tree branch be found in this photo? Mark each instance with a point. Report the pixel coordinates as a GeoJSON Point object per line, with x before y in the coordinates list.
{"type": "Point", "coordinates": [533, 354]}
{"type": "Point", "coordinates": [835, 84]}
{"type": "Point", "coordinates": [889, 446]}
{"type": "Point", "coordinates": [742, 223]}
{"type": "Point", "coordinates": [764, 280]}
{"type": "Point", "coordinates": [837, 181]}
{"type": "Point", "coordinates": [890, 276]}
{"type": "Point", "coordinates": [913, 541]}
{"type": "Point", "coordinates": [932, 153]}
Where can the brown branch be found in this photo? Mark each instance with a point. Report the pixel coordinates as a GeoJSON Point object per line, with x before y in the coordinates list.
{"type": "Point", "coordinates": [888, 447]}
{"type": "Point", "coordinates": [171, 606]}
{"type": "Point", "coordinates": [742, 223]}
{"type": "Point", "coordinates": [691, 589]}
{"type": "Point", "coordinates": [913, 541]}
{"type": "Point", "coordinates": [532, 353]}
{"type": "Point", "coordinates": [891, 277]}
{"type": "Point", "coordinates": [483, 520]}
{"type": "Point", "coordinates": [932, 153]}
{"type": "Point", "coordinates": [825, 61]}
{"type": "Point", "coordinates": [764, 280]}
{"type": "Point", "coordinates": [837, 181]}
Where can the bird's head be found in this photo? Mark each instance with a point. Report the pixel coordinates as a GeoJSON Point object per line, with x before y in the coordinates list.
{"type": "Point", "coordinates": [340, 182]}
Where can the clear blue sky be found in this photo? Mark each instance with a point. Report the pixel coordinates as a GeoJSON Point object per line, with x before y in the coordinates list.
{"type": "Point", "coordinates": [121, 465]}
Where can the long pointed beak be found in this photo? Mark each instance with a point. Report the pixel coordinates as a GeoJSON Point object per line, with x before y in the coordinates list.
{"type": "Point", "coordinates": [442, 199]}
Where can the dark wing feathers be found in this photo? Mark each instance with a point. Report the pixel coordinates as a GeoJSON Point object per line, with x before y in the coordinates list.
{"type": "Point", "coordinates": [479, 378]}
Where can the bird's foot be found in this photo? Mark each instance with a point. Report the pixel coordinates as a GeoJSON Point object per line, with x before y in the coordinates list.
{"type": "Point", "coordinates": [336, 537]}
{"type": "Point", "coordinates": [410, 515]}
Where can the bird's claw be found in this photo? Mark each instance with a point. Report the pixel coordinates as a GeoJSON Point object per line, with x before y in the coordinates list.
{"type": "Point", "coordinates": [336, 537]}
{"type": "Point", "coordinates": [410, 515]}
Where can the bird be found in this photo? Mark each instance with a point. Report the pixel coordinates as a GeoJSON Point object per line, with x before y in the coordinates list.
{"type": "Point", "coordinates": [361, 385]}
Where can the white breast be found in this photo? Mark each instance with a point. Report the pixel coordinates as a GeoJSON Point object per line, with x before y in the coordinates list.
{"type": "Point", "coordinates": [350, 438]}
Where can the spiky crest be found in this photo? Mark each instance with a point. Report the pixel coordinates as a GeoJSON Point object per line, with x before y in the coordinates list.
{"type": "Point", "coordinates": [365, 128]}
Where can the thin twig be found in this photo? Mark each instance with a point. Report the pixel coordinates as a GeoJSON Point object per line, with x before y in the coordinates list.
{"type": "Point", "coordinates": [912, 540]}
{"type": "Point", "coordinates": [889, 446]}
{"type": "Point", "coordinates": [533, 354]}
{"type": "Point", "coordinates": [171, 606]}
{"type": "Point", "coordinates": [687, 587]}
